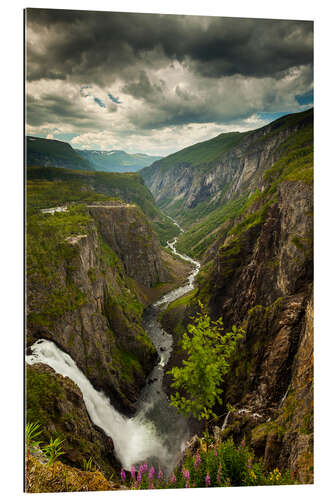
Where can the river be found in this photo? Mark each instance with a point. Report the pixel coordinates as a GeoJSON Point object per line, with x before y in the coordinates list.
{"type": "Point", "coordinates": [156, 434]}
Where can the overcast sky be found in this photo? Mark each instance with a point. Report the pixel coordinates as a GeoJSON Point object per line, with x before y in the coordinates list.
{"type": "Point", "coordinates": [157, 83]}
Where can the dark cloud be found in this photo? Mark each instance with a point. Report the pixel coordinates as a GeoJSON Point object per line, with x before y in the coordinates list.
{"type": "Point", "coordinates": [100, 46]}
{"type": "Point", "coordinates": [61, 109]}
{"type": "Point", "coordinates": [144, 89]}
{"type": "Point", "coordinates": [111, 76]}
{"type": "Point", "coordinates": [252, 47]}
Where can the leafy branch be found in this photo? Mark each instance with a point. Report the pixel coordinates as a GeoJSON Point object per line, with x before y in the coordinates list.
{"type": "Point", "coordinates": [202, 373]}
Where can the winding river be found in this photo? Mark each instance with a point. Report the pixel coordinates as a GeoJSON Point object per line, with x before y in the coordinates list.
{"type": "Point", "coordinates": [157, 433]}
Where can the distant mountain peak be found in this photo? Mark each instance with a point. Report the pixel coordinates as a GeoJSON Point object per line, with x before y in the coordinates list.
{"type": "Point", "coordinates": [117, 160]}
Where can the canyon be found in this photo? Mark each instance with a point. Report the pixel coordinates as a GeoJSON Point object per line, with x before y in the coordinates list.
{"type": "Point", "coordinates": [107, 272]}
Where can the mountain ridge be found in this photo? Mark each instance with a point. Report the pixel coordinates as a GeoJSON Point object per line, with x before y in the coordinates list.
{"type": "Point", "coordinates": [52, 152]}
{"type": "Point", "coordinates": [117, 160]}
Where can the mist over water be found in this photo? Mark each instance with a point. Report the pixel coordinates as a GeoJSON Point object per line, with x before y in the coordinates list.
{"type": "Point", "coordinates": [157, 433]}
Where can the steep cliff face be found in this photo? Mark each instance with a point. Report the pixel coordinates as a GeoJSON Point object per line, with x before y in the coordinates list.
{"type": "Point", "coordinates": [80, 296]}
{"type": "Point", "coordinates": [268, 252]}
{"type": "Point", "coordinates": [261, 277]}
{"type": "Point", "coordinates": [127, 231]}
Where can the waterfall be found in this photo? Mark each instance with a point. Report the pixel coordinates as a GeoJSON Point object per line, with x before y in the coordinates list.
{"type": "Point", "coordinates": [225, 421]}
{"type": "Point", "coordinates": [284, 397]}
{"type": "Point", "coordinates": [134, 439]}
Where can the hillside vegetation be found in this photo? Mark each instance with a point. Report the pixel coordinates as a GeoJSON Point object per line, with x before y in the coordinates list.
{"type": "Point", "coordinates": [201, 155]}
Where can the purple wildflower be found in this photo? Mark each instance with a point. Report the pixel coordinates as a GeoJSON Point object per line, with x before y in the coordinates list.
{"type": "Point", "coordinates": [145, 467]}
{"type": "Point", "coordinates": [139, 478]}
{"type": "Point", "coordinates": [141, 469]}
{"type": "Point", "coordinates": [160, 474]}
{"type": "Point", "coordinates": [123, 475]}
{"type": "Point", "coordinates": [133, 472]}
{"type": "Point", "coordinates": [197, 460]}
{"type": "Point", "coordinates": [173, 478]}
{"type": "Point", "coordinates": [218, 477]}
{"type": "Point", "coordinates": [215, 451]}
{"type": "Point", "coordinates": [186, 474]}
{"type": "Point", "coordinates": [207, 480]}
{"type": "Point", "coordinates": [151, 473]}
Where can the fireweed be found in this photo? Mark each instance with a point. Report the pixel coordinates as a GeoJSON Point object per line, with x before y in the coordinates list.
{"type": "Point", "coordinates": [197, 461]}
{"type": "Point", "coordinates": [221, 465]}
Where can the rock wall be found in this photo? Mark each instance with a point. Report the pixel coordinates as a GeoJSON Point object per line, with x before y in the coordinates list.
{"type": "Point", "coordinates": [261, 279]}
{"type": "Point", "coordinates": [127, 231]}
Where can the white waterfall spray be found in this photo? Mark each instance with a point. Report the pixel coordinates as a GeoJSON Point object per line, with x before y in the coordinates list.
{"type": "Point", "coordinates": [135, 439]}
{"type": "Point", "coordinates": [225, 422]}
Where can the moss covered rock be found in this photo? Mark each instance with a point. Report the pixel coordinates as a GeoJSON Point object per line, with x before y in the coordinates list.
{"type": "Point", "coordinates": [56, 403]}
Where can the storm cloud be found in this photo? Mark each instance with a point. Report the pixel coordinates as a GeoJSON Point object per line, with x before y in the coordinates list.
{"type": "Point", "coordinates": [162, 72]}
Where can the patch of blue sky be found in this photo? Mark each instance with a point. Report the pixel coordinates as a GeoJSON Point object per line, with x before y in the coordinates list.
{"type": "Point", "coordinates": [114, 99]}
{"type": "Point", "coordinates": [305, 99]}
{"type": "Point", "coordinates": [60, 136]}
{"type": "Point", "coordinates": [99, 102]}
{"type": "Point", "coordinates": [270, 117]}
{"type": "Point", "coordinates": [84, 91]}
{"type": "Point", "coordinates": [65, 137]}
